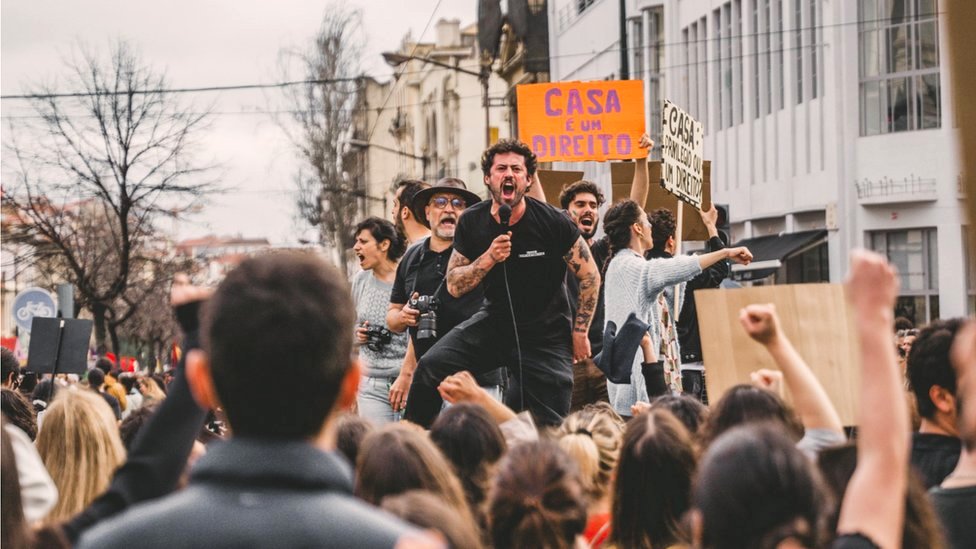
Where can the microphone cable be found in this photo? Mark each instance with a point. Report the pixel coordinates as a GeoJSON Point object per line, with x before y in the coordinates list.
{"type": "Point", "coordinates": [504, 215]}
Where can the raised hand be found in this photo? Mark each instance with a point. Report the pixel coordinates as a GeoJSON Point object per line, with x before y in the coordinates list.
{"type": "Point", "coordinates": [760, 322]}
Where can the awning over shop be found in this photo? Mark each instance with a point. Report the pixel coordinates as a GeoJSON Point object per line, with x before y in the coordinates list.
{"type": "Point", "coordinates": [768, 252]}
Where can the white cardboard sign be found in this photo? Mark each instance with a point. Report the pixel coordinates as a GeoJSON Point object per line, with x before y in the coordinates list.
{"type": "Point", "coordinates": [682, 145]}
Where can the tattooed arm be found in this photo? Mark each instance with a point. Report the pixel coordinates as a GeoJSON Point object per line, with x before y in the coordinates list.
{"type": "Point", "coordinates": [581, 263]}
{"type": "Point", "coordinates": [463, 274]}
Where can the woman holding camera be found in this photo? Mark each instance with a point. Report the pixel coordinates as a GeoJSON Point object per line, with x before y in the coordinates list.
{"type": "Point", "coordinates": [378, 247]}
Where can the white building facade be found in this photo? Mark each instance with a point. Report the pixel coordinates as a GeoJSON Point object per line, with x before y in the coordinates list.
{"type": "Point", "coordinates": [829, 124]}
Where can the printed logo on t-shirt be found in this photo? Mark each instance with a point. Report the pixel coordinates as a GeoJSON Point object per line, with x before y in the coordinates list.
{"type": "Point", "coordinates": [532, 253]}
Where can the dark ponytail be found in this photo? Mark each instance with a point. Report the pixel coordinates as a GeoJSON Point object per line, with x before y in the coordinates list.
{"type": "Point", "coordinates": [616, 225]}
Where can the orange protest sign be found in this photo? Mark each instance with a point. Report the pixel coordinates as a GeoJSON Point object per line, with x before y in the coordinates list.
{"type": "Point", "coordinates": [577, 121]}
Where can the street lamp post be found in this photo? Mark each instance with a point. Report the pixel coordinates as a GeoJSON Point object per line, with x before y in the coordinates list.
{"type": "Point", "coordinates": [396, 59]}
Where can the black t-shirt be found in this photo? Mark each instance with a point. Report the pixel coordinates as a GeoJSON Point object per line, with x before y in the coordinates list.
{"type": "Point", "coordinates": [934, 456]}
{"type": "Point", "coordinates": [955, 507]}
{"type": "Point", "coordinates": [422, 270]}
{"type": "Point", "coordinates": [536, 268]}
{"type": "Point", "coordinates": [599, 250]}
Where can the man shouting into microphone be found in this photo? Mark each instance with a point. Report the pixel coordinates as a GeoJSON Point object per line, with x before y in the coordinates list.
{"type": "Point", "coordinates": [519, 248]}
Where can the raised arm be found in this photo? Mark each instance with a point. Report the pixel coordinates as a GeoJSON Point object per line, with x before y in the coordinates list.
{"type": "Point", "coordinates": [740, 254]}
{"type": "Point", "coordinates": [581, 263]}
{"type": "Point", "coordinates": [535, 188]}
{"type": "Point", "coordinates": [874, 504]}
{"type": "Point", "coordinates": [809, 397]}
{"type": "Point", "coordinates": [641, 184]}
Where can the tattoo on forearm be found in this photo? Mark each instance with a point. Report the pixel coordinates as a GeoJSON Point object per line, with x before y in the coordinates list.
{"type": "Point", "coordinates": [463, 275]}
{"type": "Point", "coordinates": [589, 287]}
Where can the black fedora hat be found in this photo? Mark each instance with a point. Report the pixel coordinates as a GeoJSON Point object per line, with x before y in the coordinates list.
{"type": "Point", "coordinates": [450, 185]}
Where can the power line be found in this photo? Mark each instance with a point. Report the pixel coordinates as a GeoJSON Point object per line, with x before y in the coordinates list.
{"type": "Point", "coordinates": [705, 62]}
{"type": "Point", "coordinates": [180, 90]}
{"type": "Point", "coordinates": [395, 76]}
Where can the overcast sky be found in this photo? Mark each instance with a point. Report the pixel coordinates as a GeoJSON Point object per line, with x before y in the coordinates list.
{"type": "Point", "coordinates": [210, 43]}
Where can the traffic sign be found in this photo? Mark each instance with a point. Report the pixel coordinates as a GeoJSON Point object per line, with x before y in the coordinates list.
{"type": "Point", "coordinates": [33, 302]}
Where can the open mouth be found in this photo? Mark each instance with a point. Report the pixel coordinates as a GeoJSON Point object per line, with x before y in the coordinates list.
{"type": "Point", "coordinates": [587, 222]}
{"type": "Point", "coordinates": [448, 222]}
{"type": "Point", "coordinates": [361, 257]}
{"type": "Point", "coordinates": [508, 189]}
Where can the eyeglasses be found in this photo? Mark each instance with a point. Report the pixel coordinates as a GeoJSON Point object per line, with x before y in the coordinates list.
{"type": "Point", "coordinates": [441, 202]}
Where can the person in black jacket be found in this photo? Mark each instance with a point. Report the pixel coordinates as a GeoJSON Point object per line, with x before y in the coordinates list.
{"type": "Point", "coordinates": [689, 339]}
{"type": "Point", "coordinates": [277, 481]}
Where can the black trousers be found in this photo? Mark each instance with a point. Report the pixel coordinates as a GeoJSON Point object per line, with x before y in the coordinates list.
{"type": "Point", "coordinates": [544, 386]}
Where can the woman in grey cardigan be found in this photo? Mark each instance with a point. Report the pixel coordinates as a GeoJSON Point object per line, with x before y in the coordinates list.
{"type": "Point", "coordinates": [647, 288]}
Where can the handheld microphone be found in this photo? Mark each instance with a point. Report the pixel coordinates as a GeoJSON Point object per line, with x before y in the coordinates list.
{"type": "Point", "coordinates": [504, 214]}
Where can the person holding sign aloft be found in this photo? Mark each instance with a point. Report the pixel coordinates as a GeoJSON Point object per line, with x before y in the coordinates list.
{"type": "Point", "coordinates": [633, 284]}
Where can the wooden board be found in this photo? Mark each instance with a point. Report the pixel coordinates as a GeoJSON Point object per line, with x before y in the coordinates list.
{"type": "Point", "coordinates": [622, 177]}
{"type": "Point", "coordinates": [553, 182]}
{"type": "Point", "coordinates": [815, 317]}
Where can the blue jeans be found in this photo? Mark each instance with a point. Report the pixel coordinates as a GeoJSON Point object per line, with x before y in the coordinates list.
{"type": "Point", "coordinates": [374, 400]}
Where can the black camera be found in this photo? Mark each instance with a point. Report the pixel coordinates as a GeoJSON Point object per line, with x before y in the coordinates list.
{"type": "Point", "coordinates": [377, 337]}
{"type": "Point", "coordinates": [427, 321]}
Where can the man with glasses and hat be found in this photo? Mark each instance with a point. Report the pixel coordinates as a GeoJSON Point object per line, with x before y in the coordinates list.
{"type": "Point", "coordinates": [420, 302]}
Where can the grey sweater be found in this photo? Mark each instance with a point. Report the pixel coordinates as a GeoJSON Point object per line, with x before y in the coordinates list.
{"type": "Point", "coordinates": [372, 298]}
{"type": "Point", "coordinates": [632, 284]}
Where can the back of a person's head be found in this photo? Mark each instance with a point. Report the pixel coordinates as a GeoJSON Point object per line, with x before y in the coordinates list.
{"type": "Point", "coordinates": [80, 446]}
{"type": "Point", "coordinates": [96, 378]}
{"type": "Point", "coordinates": [429, 512]}
{"type": "Point", "coordinates": [652, 486]}
{"type": "Point", "coordinates": [128, 381]}
{"type": "Point", "coordinates": [755, 487]}
{"type": "Point", "coordinates": [398, 458]}
{"type": "Point", "coordinates": [19, 412]}
{"type": "Point", "coordinates": [9, 364]}
{"type": "Point", "coordinates": [743, 404]}
{"type": "Point", "coordinates": [471, 440]}
{"type": "Point", "coordinates": [689, 411]}
{"type": "Point", "coordinates": [132, 424]}
{"type": "Point", "coordinates": [593, 440]}
{"type": "Point", "coordinates": [351, 429]}
{"type": "Point", "coordinates": [105, 365]}
{"type": "Point", "coordinates": [928, 363]}
{"type": "Point", "coordinates": [291, 312]}
{"type": "Point", "coordinates": [536, 499]}
{"type": "Point", "coordinates": [28, 381]}
{"type": "Point", "coordinates": [922, 528]}
{"type": "Point", "coordinates": [44, 394]}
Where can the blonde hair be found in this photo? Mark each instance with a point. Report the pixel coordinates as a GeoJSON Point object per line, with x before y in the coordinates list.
{"type": "Point", "coordinates": [592, 437]}
{"type": "Point", "coordinates": [80, 446]}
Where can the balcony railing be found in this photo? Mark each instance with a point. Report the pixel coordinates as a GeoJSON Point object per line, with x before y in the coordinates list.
{"type": "Point", "coordinates": [887, 190]}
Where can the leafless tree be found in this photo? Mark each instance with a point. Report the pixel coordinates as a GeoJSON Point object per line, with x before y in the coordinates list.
{"type": "Point", "coordinates": [319, 116]}
{"type": "Point", "coordinates": [88, 176]}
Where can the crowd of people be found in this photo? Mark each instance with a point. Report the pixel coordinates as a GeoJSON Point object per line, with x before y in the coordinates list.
{"type": "Point", "coordinates": [497, 375]}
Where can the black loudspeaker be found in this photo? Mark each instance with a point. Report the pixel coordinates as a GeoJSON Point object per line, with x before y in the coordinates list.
{"type": "Point", "coordinates": [724, 223]}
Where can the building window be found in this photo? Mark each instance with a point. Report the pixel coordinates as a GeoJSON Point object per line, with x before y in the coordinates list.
{"type": "Point", "coordinates": [809, 266]}
{"type": "Point", "coordinates": [581, 5]}
{"type": "Point", "coordinates": [654, 18]}
{"type": "Point", "coordinates": [815, 33]}
{"type": "Point", "coordinates": [914, 253]}
{"type": "Point", "coordinates": [637, 41]}
{"type": "Point", "coordinates": [726, 44]}
{"type": "Point", "coordinates": [766, 24]}
{"type": "Point", "coordinates": [737, 55]}
{"type": "Point", "coordinates": [797, 48]}
{"type": "Point", "coordinates": [703, 72]}
{"type": "Point", "coordinates": [757, 104]}
{"type": "Point", "coordinates": [898, 44]}
{"type": "Point", "coordinates": [719, 73]}
{"type": "Point", "coordinates": [691, 53]}
{"type": "Point", "coordinates": [780, 30]}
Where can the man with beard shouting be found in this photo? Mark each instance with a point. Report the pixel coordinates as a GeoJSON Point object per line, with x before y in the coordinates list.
{"type": "Point", "coordinates": [519, 247]}
{"type": "Point", "coordinates": [420, 285]}
{"type": "Point", "coordinates": [582, 200]}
